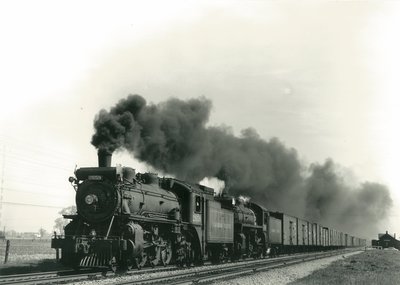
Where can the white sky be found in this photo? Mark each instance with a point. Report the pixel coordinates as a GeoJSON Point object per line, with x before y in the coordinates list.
{"type": "Point", "coordinates": [321, 76]}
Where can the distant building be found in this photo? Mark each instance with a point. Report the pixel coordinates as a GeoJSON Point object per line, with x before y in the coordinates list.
{"type": "Point", "coordinates": [28, 235]}
{"type": "Point", "coordinates": [386, 240]}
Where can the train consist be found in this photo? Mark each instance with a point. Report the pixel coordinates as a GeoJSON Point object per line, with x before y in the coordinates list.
{"type": "Point", "coordinates": [126, 219]}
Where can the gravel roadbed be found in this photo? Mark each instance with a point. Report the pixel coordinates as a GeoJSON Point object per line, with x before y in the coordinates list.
{"type": "Point", "coordinates": [136, 277]}
{"type": "Point", "coordinates": [275, 276]}
{"type": "Point", "coordinates": [285, 275]}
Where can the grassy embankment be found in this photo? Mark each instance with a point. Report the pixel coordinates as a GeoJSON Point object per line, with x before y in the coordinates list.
{"type": "Point", "coordinates": [370, 267]}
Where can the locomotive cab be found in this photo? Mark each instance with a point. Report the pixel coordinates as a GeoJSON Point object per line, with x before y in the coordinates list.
{"type": "Point", "coordinates": [193, 199]}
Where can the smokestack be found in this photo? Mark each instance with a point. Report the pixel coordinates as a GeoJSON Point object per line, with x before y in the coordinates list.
{"type": "Point", "coordinates": [104, 157]}
{"type": "Point", "coordinates": [394, 236]}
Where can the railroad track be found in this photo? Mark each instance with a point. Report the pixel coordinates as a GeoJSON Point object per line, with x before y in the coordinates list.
{"type": "Point", "coordinates": [169, 274]}
{"type": "Point", "coordinates": [208, 275]}
{"type": "Point", "coordinates": [55, 277]}
{"type": "Point", "coordinates": [9, 279]}
{"type": "Point", "coordinates": [45, 277]}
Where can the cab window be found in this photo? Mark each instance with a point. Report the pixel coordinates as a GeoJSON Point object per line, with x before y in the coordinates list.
{"type": "Point", "coordinates": [197, 204]}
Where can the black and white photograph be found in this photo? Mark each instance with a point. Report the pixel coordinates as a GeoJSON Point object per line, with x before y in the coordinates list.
{"type": "Point", "coordinates": [200, 142]}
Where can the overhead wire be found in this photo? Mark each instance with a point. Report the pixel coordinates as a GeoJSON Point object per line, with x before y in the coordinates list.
{"type": "Point", "coordinates": [32, 205]}
{"type": "Point", "coordinates": [33, 147]}
{"type": "Point", "coordinates": [38, 182]}
{"type": "Point", "coordinates": [34, 192]}
{"type": "Point", "coordinates": [24, 159]}
{"type": "Point", "coordinates": [28, 158]}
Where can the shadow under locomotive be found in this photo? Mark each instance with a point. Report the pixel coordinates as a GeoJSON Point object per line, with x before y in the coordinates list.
{"type": "Point", "coordinates": [126, 219]}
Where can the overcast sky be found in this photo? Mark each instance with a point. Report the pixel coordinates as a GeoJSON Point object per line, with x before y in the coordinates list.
{"type": "Point", "coordinates": [320, 76]}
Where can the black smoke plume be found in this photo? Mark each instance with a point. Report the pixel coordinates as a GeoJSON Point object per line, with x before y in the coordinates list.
{"type": "Point", "coordinates": [172, 136]}
{"type": "Point", "coordinates": [330, 200]}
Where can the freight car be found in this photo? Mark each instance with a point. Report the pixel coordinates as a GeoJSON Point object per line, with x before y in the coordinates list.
{"type": "Point", "coordinates": [127, 219]}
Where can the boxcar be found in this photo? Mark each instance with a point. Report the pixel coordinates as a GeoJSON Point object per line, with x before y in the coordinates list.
{"type": "Point", "coordinates": [342, 239]}
{"type": "Point", "coordinates": [332, 240]}
{"type": "Point", "coordinates": [356, 241]}
{"type": "Point", "coordinates": [334, 244]}
{"type": "Point", "coordinates": [320, 234]}
{"type": "Point", "coordinates": [325, 237]}
{"type": "Point", "coordinates": [314, 227]}
{"type": "Point", "coordinates": [310, 236]}
{"type": "Point", "coordinates": [289, 233]}
{"type": "Point", "coordinates": [302, 234]}
{"type": "Point", "coordinates": [275, 233]}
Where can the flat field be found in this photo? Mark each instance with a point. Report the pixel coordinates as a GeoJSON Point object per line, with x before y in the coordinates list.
{"type": "Point", "coordinates": [370, 267]}
{"type": "Point", "coordinates": [24, 250]}
{"type": "Point", "coordinates": [28, 255]}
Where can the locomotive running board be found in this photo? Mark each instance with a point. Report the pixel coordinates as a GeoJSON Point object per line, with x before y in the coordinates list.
{"type": "Point", "coordinates": [251, 226]}
{"type": "Point", "coordinates": [153, 220]}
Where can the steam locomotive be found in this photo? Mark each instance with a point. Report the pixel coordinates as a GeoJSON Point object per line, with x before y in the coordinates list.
{"type": "Point", "coordinates": [127, 220]}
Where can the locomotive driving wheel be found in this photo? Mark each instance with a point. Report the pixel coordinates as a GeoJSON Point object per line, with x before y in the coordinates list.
{"type": "Point", "coordinates": [239, 254]}
{"type": "Point", "coordinates": [189, 255]}
{"type": "Point", "coordinates": [141, 260]}
{"type": "Point", "coordinates": [128, 264]}
{"type": "Point", "coordinates": [128, 260]}
{"type": "Point", "coordinates": [113, 264]}
{"type": "Point", "coordinates": [154, 256]}
{"type": "Point", "coordinates": [166, 252]}
{"type": "Point", "coordinates": [224, 255]}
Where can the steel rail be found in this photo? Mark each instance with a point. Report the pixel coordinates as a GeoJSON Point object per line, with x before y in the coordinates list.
{"type": "Point", "coordinates": [180, 274]}
{"type": "Point", "coordinates": [71, 276]}
{"type": "Point", "coordinates": [228, 270]}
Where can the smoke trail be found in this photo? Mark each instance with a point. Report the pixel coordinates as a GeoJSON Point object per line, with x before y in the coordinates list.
{"type": "Point", "coordinates": [331, 201]}
{"type": "Point", "coordinates": [172, 136]}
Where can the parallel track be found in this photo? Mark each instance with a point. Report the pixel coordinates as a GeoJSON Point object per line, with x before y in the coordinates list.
{"type": "Point", "coordinates": [235, 272]}
{"type": "Point", "coordinates": [176, 276]}
{"type": "Point", "coordinates": [55, 277]}
{"type": "Point", "coordinates": [207, 275]}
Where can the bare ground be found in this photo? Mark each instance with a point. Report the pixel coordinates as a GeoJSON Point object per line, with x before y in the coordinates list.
{"type": "Point", "coordinates": [369, 267]}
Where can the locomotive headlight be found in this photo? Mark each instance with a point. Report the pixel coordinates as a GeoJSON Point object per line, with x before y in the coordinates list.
{"type": "Point", "coordinates": [90, 199]}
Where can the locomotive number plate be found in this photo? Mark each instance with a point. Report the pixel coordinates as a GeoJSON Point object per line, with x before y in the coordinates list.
{"type": "Point", "coordinates": [94, 177]}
